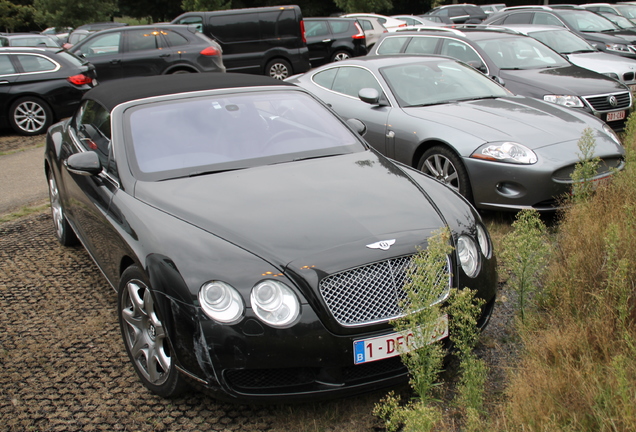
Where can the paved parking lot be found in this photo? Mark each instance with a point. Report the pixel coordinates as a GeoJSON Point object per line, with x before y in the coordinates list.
{"type": "Point", "coordinates": [63, 366]}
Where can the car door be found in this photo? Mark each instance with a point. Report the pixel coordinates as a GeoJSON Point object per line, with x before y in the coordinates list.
{"type": "Point", "coordinates": [345, 82]}
{"type": "Point", "coordinates": [89, 196]}
{"type": "Point", "coordinates": [105, 52]}
{"type": "Point", "coordinates": [145, 53]}
{"type": "Point", "coordinates": [464, 52]}
{"type": "Point", "coordinates": [8, 76]}
{"type": "Point", "coordinates": [319, 41]}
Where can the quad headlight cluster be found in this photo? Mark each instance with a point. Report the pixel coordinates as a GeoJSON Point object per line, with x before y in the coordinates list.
{"type": "Point", "coordinates": [468, 251]}
{"type": "Point", "coordinates": [273, 302]}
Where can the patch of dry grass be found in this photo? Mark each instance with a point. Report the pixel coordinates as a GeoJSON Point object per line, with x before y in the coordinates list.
{"type": "Point", "coordinates": [577, 371]}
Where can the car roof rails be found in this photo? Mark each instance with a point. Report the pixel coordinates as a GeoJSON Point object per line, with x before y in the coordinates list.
{"type": "Point", "coordinates": [417, 28]}
{"type": "Point", "coordinates": [486, 27]}
{"type": "Point", "coordinates": [527, 7]}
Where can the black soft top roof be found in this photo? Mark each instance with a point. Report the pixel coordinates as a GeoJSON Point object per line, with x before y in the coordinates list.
{"type": "Point", "coordinates": [113, 93]}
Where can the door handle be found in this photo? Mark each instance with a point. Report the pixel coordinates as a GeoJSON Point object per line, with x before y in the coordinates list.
{"type": "Point", "coordinates": [115, 61]}
{"type": "Point", "coordinates": [326, 40]}
{"type": "Point", "coordinates": [165, 55]}
{"type": "Point", "coordinates": [4, 82]}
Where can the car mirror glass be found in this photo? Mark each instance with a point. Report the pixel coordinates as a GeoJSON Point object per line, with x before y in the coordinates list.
{"type": "Point", "coordinates": [85, 163]}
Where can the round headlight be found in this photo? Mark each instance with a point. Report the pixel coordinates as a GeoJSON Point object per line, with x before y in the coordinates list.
{"type": "Point", "coordinates": [274, 303]}
{"type": "Point", "coordinates": [468, 256]}
{"type": "Point", "coordinates": [482, 239]}
{"type": "Point", "coordinates": [221, 302]}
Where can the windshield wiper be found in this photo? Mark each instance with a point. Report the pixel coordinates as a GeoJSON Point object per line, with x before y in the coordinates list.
{"type": "Point", "coordinates": [426, 104]}
{"type": "Point", "coordinates": [473, 98]}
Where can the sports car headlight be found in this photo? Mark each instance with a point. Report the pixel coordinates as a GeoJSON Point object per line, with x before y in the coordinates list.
{"type": "Point", "coordinates": [221, 302]}
{"type": "Point", "coordinates": [608, 130]}
{"type": "Point", "coordinates": [274, 303]}
{"type": "Point", "coordinates": [616, 47]}
{"type": "Point", "coordinates": [565, 100]}
{"type": "Point", "coordinates": [468, 256]}
{"type": "Point", "coordinates": [510, 152]}
{"type": "Point", "coordinates": [483, 240]}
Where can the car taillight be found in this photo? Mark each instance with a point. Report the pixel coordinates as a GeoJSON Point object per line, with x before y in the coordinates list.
{"type": "Point", "coordinates": [80, 79]}
{"type": "Point", "coordinates": [360, 34]}
{"type": "Point", "coordinates": [210, 51]}
{"type": "Point", "coordinates": [302, 30]}
{"type": "Point", "coordinates": [402, 25]}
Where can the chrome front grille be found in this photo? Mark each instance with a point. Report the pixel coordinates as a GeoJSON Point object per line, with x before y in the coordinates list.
{"type": "Point", "coordinates": [602, 102]}
{"type": "Point", "coordinates": [372, 293]}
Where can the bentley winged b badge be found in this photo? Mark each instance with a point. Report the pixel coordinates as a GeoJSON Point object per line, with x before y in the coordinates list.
{"type": "Point", "coordinates": [382, 244]}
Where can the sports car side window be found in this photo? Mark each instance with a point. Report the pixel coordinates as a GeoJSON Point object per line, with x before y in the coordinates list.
{"type": "Point", "coordinates": [325, 78]}
{"type": "Point", "coordinates": [350, 80]}
{"type": "Point", "coordinates": [93, 129]}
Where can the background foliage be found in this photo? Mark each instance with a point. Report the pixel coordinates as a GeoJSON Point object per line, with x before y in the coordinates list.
{"type": "Point", "coordinates": [35, 15]}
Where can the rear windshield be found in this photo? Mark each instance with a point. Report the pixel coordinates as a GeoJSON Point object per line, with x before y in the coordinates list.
{"type": "Point", "coordinates": [209, 134]}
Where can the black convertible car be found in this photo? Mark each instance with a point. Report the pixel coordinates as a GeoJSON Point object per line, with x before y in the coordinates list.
{"type": "Point", "coordinates": [257, 243]}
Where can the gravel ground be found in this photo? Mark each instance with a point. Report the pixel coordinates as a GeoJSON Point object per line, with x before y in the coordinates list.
{"type": "Point", "coordinates": [63, 366]}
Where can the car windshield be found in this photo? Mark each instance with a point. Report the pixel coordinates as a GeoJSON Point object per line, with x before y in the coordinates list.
{"type": "Point", "coordinates": [628, 11]}
{"type": "Point", "coordinates": [431, 83]}
{"type": "Point", "coordinates": [199, 135]}
{"type": "Point", "coordinates": [521, 53]}
{"type": "Point", "coordinates": [620, 21]}
{"type": "Point", "coordinates": [562, 41]}
{"type": "Point", "coordinates": [586, 21]}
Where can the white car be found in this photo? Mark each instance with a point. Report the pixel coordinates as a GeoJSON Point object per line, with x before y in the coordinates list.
{"type": "Point", "coordinates": [580, 52]}
{"type": "Point", "coordinates": [391, 24]}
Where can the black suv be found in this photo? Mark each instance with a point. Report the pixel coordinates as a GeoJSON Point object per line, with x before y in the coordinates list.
{"type": "Point", "coordinates": [149, 50]}
{"type": "Point", "coordinates": [265, 40]}
{"type": "Point", "coordinates": [459, 13]}
{"type": "Point", "coordinates": [524, 65]}
{"type": "Point", "coordinates": [39, 86]}
{"type": "Point", "coordinates": [594, 28]}
{"type": "Point", "coordinates": [334, 39]}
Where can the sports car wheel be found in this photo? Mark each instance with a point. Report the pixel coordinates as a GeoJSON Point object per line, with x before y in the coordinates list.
{"type": "Point", "coordinates": [63, 230]}
{"type": "Point", "coordinates": [444, 165]}
{"type": "Point", "coordinates": [145, 336]}
{"type": "Point", "coordinates": [30, 116]}
{"type": "Point", "coordinates": [340, 55]}
{"type": "Point", "coordinates": [279, 69]}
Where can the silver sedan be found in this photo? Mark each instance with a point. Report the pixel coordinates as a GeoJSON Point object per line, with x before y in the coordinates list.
{"type": "Point", "coordinates": [498, 150]}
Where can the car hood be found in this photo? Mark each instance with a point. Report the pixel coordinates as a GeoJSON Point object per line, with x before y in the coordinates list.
{"type": "Point", "coordinates": [603, 63]}
{"type": "Point", "coordinates": [528, 121]}
{"type": "Point", "coordinates": [571, 80]}
{"type": "Point", "coordinates": [304, 208]}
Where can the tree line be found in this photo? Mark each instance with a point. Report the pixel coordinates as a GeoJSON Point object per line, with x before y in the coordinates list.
{"type": "Point", "coordinates": [32, 15]}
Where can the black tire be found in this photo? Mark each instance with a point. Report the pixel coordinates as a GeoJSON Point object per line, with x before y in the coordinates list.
{"type": "Point", "coordinates": [443, 164]}
{"type": "Point", "coordinates": [30, 115]}
{"type": "Point", "coordinates": [63, 230]}
{"type": "Point", "coordinates": [279, 69]}
{"type": "Point", "coordinates": [340, 55]}
{"type": "Point", "coordinates": [145, 336]}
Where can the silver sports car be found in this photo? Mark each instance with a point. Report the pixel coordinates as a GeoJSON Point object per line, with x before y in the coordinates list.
{"type": "Point", "coordinates": [441, 116]}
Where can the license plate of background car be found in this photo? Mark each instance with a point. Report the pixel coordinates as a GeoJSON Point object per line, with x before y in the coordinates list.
{"type": "Point", "coordinates": [613, 116]}
{"type": "Point", "coordinates": [392, 344]}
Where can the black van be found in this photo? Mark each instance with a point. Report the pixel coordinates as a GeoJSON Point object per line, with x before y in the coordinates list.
{"type": "Point", "coordinates": [266, 40]}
